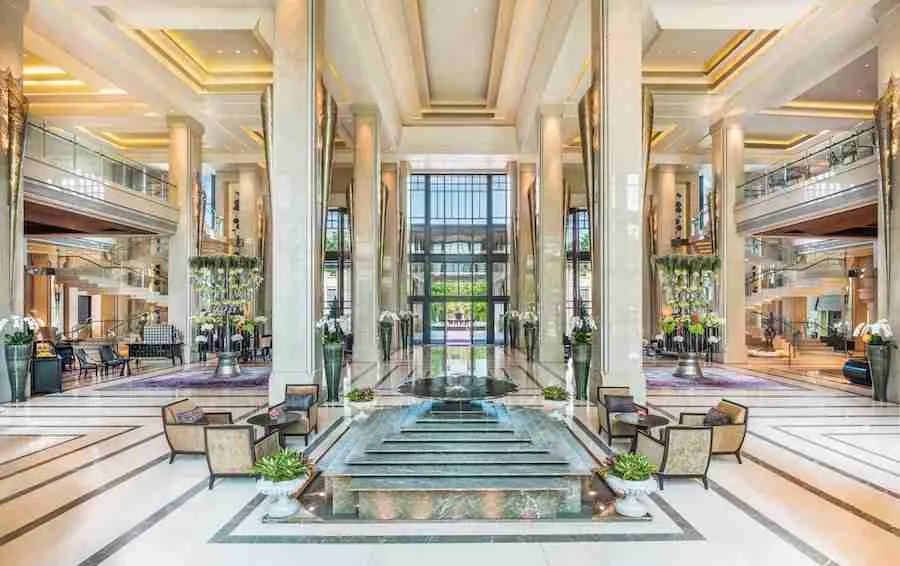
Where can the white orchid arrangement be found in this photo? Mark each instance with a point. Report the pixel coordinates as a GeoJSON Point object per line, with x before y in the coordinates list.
{"type": "Point", "coordinates": [388, 317]}
{"type": "Point", "coordinates": [513, 316]}
{"type": "Point", "coordinates": [876, 333]}
{"type": "Point", "coordinates": [406, 315]}
{"type": "Point", "coordinates": [18, 330]}
{"type": "Point", "coordinates": [332, 329]}
{"type": "Point", "coordinates": [207, 326]}
{"type": "Point", "coordinates": [530, 319]}
{"type": "Point", "coordinates": [713, 339]}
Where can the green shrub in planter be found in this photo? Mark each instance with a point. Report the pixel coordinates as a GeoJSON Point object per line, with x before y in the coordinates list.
{"type": "Point", "coordinates": [361, 395]}
{"type": "Point", "coordinates": [285, 465]}
{"type": "Point", "coordinates": [631, 466]}
{"type": "Point", "coordinates": [555, 393]}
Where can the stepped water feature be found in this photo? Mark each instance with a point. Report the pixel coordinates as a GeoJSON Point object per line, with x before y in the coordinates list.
{"type": "Point", "coordinates": [457, 460]}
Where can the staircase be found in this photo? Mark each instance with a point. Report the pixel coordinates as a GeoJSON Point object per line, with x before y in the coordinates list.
{"type": "Point", "coordinates": [476, 460]}
{"type": "Point", "coordinates": [94, 284]}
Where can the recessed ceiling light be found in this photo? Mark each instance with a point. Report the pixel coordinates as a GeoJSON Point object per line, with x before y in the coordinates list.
{"type": "Point", "coordinates": [219, 51]}
{"type": "Point", "coordinates": [256, 51]}
{"type": "Point", "coordinates": [867, 65]}
{"type": "Point", "coordinates": [237, 51]}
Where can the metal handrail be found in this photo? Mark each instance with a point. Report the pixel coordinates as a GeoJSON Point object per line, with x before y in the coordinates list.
{"type": "Point", "coordinates": [73, 334]}
{"type": "Point", "coordinates": [834, 155]}
{"type": "Point", "coordinates": [103, 166]}
{"type": "Point", "coordinates": [777, 270]}
{"type": "Point", "coordinates": [134, 276]}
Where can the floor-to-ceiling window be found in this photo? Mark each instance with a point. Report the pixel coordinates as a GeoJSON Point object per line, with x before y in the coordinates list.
{"type": "Point", "coordinates": [459, 246]}
{"type": "Point", "coordinates": [337, 272]}
{"type": "Point", "coordinates": [578, 261]}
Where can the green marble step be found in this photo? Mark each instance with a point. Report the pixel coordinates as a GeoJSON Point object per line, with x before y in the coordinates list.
{"type": "Point", "coordinates": [445, 413]}
{"type": "Point", "coordinates": [456, 437]}
{"type": "Point", "coordinates": [457, 448]}
{"type": "Point", "coordinates": [458, 458]}
{"type": "Point", "coordinates": [459, 484]}
{"type": "Point", "coordinates": [456, 470]}
{"type": "Point", "coordinates": [455, 420]}
{"type": "Point", "coordinates": [453, 427]}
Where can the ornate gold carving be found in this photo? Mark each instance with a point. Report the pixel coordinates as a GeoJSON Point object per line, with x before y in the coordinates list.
{"type": "Point", "coordinates": [13, 120]}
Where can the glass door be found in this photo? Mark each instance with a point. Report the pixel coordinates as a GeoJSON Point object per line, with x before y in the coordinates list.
{"type": "Point", "coordinates": [437, 323]}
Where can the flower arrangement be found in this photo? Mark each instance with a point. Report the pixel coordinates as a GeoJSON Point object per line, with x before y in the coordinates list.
{"type": "Point", "coordinates": [513, 316]}
{"type": "Point", "coordinates": [530, 319]}
{"type": "Point", "coordinates": [200, 339]}
{"type": "Point", "coordinates": [18, 330]}
{"type": "Point", "coordinates": [388, 317]}
{"type": "Point", "coordinates": [406, 315]}
{"type": "Point", "coordinates": [877, 333]}
{"type": "Point", "coordinates": [582, 327]}
{"type": "Point", "coordinates": [688, 320]}
{"type": "Point", "coordinates": [361, 395]}
{"type": "Point", "coordinates": [332, 325]}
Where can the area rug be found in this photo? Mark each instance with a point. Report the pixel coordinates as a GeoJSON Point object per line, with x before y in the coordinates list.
{"type": "Point", "coordinates": [713, 378]}
{"type": "Point", "coordinates": [200, 378]}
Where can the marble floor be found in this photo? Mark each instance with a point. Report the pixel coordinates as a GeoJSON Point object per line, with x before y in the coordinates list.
{"type": "Point", "coordinates": [85, 479]}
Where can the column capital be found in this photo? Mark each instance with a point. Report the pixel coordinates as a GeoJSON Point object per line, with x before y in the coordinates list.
{"type": "Point", "coordinates": [180, 120]}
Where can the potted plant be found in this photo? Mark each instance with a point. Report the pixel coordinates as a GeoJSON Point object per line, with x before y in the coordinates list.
{"type": "Point", "coordinates": [360, 401]}
{"type": "Point", "coordinates": [512, 328]}
{"type": "Point", "coordinates": [18, 338]}
{"type": "Point", "coordinates": [630, 475]}
{"type": "Point", "coordinates": [530, 328]}
{"type": "Point", "coordinates": [331, 327]}
{"type": "Point", "coordinates": [406, 323]}
{"type": "Point", "coordinates": [555, 400]}
{"type": "Point", "coordinates": [879, 340]}
{"type": "Point", "coordinates": [280, 476]}
{"type": "Point", "coordinates": [386, 322]}
{"type": "Point", "coordinates": [581, 334]}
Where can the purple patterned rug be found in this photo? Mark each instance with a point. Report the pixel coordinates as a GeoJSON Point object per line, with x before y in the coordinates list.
{"type": "Point", "coordinates": [713, 378]}
{"type": "Point", "coordinates": [200, 378]}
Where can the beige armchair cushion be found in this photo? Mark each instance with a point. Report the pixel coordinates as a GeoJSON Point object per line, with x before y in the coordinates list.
{"type": "Point", "coordinates": [737, 413]}
{"type": "Point", "coordinates": [229, 449]}
{"type": "Point", "coordinates": [309, 418]}
{"type": "Point", "coordinates": [728, 438]}
{"type": "Point", "coordinates": [687, 450]}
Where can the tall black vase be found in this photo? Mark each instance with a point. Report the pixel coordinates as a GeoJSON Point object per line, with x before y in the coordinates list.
{"type": "Point", "coordinates": [880, 367]}
{"type": "Point", "coordinates": [386, 336]}
{"type": "Point", "coordinates": [530, 342]}
{"type": "Point", "coordinates": [334, 360]}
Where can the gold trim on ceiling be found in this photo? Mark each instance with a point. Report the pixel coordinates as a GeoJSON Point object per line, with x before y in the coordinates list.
{"type": "Point", "coordinates": [782, 144]}
{"type": "Point", "coordinates": [824, 109]}
{"type": "Point", "coordinates": [129, 141]}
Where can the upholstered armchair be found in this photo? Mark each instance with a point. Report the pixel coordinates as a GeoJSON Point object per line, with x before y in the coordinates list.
{"type": "Point", "coordinates": [187, 437]}
{"type": "Point", "coordinates": [606, 416]}
{"type": "Point", "coordinates": [231, 450]}
{"type": "Point", "coordinates": [303, 400]}
{"type": "Point", "coordinates": [684, 452]}
{"type": "Point", "coordinates": [727, 438]}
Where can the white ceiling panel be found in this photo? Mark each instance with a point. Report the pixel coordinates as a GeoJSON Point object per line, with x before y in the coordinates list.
{"type": "Point", "coordinates": [730, 14]}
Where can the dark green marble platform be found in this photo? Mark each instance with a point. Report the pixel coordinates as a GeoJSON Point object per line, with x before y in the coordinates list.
{"type": "Point", "coordinates": [425, 462]}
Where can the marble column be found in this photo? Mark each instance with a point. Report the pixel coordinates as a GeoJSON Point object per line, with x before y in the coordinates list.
{"type": "Point", "coordinates": [728, 174]}
{"type": "Point", "coordinates": [618, 205]}
{"type": "Point", "coordinates": [12, 17]}
{"type": "Point", "coordinates": [551, 251]}
{"type": "Point", "coordinates": [185, 162]}
{"type": "Point", "coordinates": [665, 188]}
{"type": "Point", "coordinates": [403, 263]}
{"type": "Point", "coordinates": [888, 286]}
{"type": "Point", "coordinates": [389, 268]}
{"type": "Point", "coordinates": [366, 233]}
{"type": "Point", "coordinates": [295, 217]}
{"type": "Point", "coordinates": [526, 297]}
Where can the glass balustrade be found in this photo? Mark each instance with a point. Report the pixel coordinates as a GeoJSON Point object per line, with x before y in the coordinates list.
{"type": "Point", "coordinates": [91, 168]}
{"type": "Point", "coordinates": [816, 164]}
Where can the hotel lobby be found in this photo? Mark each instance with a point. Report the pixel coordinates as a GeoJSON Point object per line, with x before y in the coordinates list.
{"type": "Point", "coordinates": [545, 282]}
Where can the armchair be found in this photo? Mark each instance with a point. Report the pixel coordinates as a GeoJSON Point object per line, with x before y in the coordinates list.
{"type": "Point", "coordinates": [606, 418]}
{"type": "Point", "coordinates": [188, 438]}
{"type": "Point", "coordinates": [684, 452]}
{"type": "Point", "coordinates": [231, 450]}
{"type": "Point", "coordinates": [309, 421]}
{"type": "Point", "coordinates": [727, 438]}
{"type": "Point", "coordinates": [85, 365]}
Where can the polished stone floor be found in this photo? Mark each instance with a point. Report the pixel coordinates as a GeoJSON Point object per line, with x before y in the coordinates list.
{"type": "Point", "coordinates": [84, 479]}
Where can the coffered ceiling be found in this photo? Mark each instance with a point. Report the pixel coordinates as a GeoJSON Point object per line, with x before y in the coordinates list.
{"type": "Point", "coordinates": [461, 76]}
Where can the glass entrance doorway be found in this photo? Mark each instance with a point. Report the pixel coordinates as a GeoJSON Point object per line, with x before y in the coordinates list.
{"type": "Point", "coordinates": [458, 257]}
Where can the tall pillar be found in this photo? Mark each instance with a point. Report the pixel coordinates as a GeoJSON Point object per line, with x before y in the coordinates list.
{"type": "Point", "coordinates": [403, 262]}
{"type": "Point", "coordinates": [618, 203]}
{"type": "Point", "coordinates": [728, 173]}
{"type": "Point", "coordinates": [12, 301]}
{"type": "Point", "coordinates": [185, 162]}
{"type": "Point", "coordinates": [366, 233]}
{"type": "Point", "coordinates": [551, 250]}
{"type": "Point", "coordinates": [389, 268]}
{"type": "Point", "coordinates": [526, 297]}
{"type": "Point", "coordinates": [888, 285]}
{"type": "Point", "coordinates": [295, 216]}
{"type": "Point", "coordinates": [665, 207]}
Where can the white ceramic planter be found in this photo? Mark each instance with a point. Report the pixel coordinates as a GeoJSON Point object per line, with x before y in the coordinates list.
{"type": "Point", "coordinates": [360, 409]}
{"type": "Point", "coordinates": [556, 409]}
{"type": "Point", "coordinates": [630, 505]}
{"type": "Point", "coordinates": [281, 503]}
